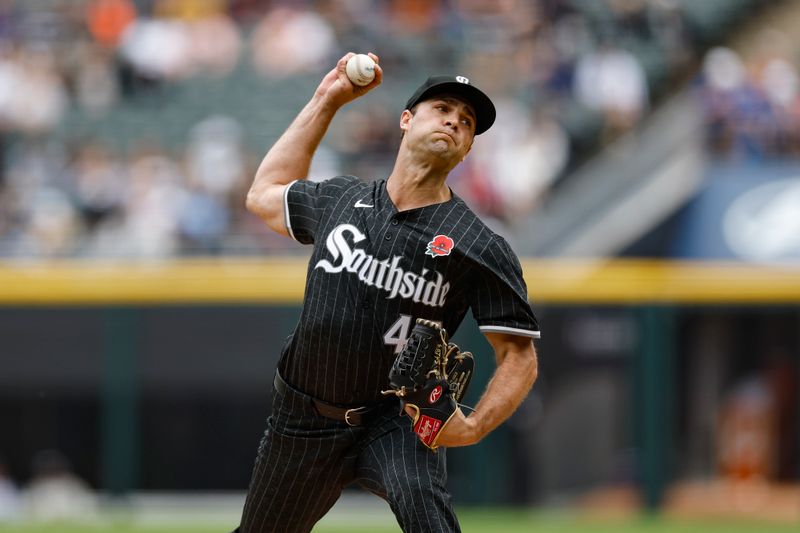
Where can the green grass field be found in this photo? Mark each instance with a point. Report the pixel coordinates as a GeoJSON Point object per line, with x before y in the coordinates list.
{"type": "Point", "coordinates": [472, 520]}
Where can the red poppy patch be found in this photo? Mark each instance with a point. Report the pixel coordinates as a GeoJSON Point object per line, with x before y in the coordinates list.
{"type": "Point", "coordinates": [440, 245]}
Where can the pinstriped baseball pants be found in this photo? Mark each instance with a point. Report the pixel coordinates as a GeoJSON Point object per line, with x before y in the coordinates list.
{"type": "Point", "coordinates": [305, 460]}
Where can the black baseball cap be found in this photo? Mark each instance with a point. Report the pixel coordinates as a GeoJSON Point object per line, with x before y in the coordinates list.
{"type": "Point", "coordinates": [458, 86]}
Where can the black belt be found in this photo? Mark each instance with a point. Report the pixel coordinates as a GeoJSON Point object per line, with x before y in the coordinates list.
{"type": "Point", "coordinates": [353, 416]}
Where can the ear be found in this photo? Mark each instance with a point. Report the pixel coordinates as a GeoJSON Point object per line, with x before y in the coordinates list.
{"type": "Point", "coordinates": [405, 118]}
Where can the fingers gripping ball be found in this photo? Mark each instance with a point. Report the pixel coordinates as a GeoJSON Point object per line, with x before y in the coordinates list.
{"type": "Point", "coordinates": [430, 375]}
{"type": "Point", "coordinates": [360, 69]}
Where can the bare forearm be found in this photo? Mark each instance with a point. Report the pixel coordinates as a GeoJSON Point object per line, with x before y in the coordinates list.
{"type": "Point", "coordinates": [515, 374]}
{"type": "Point", "coordinates": [510, 385]}
{"type": "Point", "coordinates": [289, 159]}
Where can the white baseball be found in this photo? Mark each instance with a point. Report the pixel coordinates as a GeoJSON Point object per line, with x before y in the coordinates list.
{"type": "Point", "coordinates": [360, 69]}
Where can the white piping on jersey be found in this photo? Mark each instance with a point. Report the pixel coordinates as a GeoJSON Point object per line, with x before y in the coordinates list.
{"type": "Point", "coordinates": [286, 209]}
{"type": "Point", "coordinates": [512, 331]}
{"type": "Point", "coordinates": [381, 273]}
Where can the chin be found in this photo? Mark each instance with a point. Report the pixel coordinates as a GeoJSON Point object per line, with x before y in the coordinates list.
{"type": "Point", "coordinates": [441, 147]}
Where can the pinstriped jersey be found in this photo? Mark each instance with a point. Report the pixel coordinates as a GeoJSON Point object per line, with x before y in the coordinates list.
{"type": "Point", "coordinates": [374, 270]}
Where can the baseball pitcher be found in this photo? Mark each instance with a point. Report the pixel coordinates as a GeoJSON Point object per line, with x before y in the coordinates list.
{"type": "Point", "coordinates": [368, 384]}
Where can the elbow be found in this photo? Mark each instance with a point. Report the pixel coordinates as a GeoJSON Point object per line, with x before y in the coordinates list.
{"type": "Point", "coordinates": [257, 193]}
{"type": "Point", "coordinates": [267, 204]}
{"type": "Point", "coordinates": [254, 202]}
{"type": "Point", "coordinates": [251, 202]}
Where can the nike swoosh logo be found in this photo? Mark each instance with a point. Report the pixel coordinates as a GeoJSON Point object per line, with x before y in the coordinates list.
{"type": "Point", "coordinates": [359, 204]}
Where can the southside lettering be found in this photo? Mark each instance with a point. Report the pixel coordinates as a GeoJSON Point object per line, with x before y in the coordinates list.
{"type": "Point", "coordinates": [384, 274]}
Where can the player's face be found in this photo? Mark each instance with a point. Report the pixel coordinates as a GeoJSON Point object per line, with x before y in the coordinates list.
{"type": "Point", "coordinates": [444, 125]}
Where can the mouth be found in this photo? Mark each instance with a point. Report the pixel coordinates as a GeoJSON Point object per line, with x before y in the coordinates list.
{"type": "Point", "coordinates": [446, 135]}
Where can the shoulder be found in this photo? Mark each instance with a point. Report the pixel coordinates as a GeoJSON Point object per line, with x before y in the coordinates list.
{"type": "Point", "coordinates": [500, 253]}
{"type": "Point", "coordinates": [326, 190]}
{"type": "Point", "coordinates": [336, 183]}
{"type": "Point", "coordinates": [346, 181]}
{"type": "Point", "coordinates": [485, 239]}
{"type": "Point", "coordinates": [489, 248]}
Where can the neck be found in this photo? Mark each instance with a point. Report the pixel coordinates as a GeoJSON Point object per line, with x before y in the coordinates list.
{"type": "Point", "coordinates": [415, 184]}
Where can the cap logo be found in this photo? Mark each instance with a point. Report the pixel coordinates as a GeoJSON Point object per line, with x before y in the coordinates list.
{"type": "Point", "coordinates": [462, 79]}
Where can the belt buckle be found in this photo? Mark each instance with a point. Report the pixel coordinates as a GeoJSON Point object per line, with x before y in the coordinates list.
{"type": "Point", "coordinates": [355, 410]}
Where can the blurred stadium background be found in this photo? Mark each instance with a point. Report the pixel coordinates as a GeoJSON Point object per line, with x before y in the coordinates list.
{"type": "Point", "coordinates": [645, 164]}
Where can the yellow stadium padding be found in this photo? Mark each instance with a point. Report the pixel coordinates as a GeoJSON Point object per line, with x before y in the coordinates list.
{"type": "Point", "coordinates": [281, 280]}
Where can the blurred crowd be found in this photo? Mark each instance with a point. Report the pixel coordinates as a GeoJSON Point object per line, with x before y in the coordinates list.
{"type": "Point", "coordinates": [752, 104]}
{"type": "Point", "coordinates": [567, 76]}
